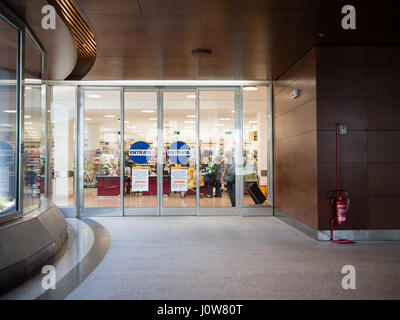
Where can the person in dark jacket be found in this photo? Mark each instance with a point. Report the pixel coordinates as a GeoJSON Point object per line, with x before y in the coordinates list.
{"type": "Point", "coordinates": [230, 177]}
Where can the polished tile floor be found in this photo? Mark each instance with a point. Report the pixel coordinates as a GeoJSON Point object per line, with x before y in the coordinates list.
{"type": "Point", "coordinates": [231, 258]}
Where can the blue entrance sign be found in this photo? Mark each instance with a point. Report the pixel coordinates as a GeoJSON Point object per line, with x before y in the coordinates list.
{"type": "Point", "coordinates": [6, 154]}
{"type": "Point", "coordinates": [179, 153]}
{"type": "Point", "coordinates": [140, 152]}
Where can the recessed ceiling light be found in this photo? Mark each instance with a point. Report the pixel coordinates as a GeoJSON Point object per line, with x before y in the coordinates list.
{"type": "Point", "coordinates": [250, 88]}
{"type": "Point", "coordinates": [224, 119]}
{"type": "Point", "coordinates": [109, 116]}
{"type": "Point", "coordinates": [191, 96]}
{"type": "Point", "coordinates": [148, 111]}
{"type": "Point", "coordinates": [94, 96]}
{"type": "Point", "coordinates": [10, 111]}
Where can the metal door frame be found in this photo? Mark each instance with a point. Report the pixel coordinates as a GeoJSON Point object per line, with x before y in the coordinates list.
{"type": "Point", "coordinates": [239, 210]}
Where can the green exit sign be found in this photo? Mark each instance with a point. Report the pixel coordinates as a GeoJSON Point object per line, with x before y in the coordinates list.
{"type": "Point", "coordinates": [228, 132]}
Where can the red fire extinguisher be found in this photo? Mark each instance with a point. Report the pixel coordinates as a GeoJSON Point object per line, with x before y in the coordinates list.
{"type": "Point", "coordinates": [339, 199]}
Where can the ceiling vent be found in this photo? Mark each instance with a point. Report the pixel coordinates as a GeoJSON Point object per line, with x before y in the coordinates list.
{"type": "Point", "coordinates": [201, 52]}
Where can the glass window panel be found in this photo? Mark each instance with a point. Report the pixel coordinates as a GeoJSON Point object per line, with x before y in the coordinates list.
{"type": "Point", "coordinates": [140, 136]}
{"type": "Point", "coordinates": [256, 142]}
{"type": "Point", "coordinates": [179, 186]}
{"type": "Point", "coordinates": [8, 116]}
{"type": "Point", "coordinates": [34, 149]}
{"type": "Point", "coordinates": [101, 181]}
{"type": "Point", "coordinates": [62, 142]}
{"type": "Point", "coordinates": [217, 149]}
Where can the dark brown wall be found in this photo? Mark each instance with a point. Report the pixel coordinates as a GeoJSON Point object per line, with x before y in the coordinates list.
{"type": "Point", "coordinates": [360, 86]}
{"type": "Point", "coordinates": [295, 143]}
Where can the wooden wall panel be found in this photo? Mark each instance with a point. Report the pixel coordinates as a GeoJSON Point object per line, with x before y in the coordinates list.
{"type": "Point", "coordinates": [295, 143]}
{"type": "Point", "coordinates": [359, 85]}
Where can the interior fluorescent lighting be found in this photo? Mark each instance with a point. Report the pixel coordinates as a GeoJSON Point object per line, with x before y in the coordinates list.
{"type": "Point", "coordinates": [88, 119]}
{"type": "Point", "coordinates": [250, 88]}
{"type": "Point", "coordinates": [224, 119]}
{"type": "Point", "coordinates": [148, 111]}
{"type": "Point", "coordinates": [94, 96]}
{"type": "Point", "coordinates": [10, 111]}
{"type": "Point", "coordinates": [253, 122]}
{"type": "Point", "coordinates": [189, 122]}
{"type": "Point", "coordinates": [191, 96]}
{"type": "Point", "coordinates": [109, 116]}
{"type": "Point", "coordinates": [191, 116]}
{"type": "Point", "coordinates": [27, 117]}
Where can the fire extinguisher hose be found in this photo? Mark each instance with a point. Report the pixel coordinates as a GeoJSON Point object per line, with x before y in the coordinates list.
{"type": "Point", "coordinates": [338, 241]}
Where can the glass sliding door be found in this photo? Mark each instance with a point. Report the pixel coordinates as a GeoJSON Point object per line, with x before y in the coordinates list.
{"type": "Point", "coordinates": [140, 153]}
{"type": "Point", "coordinates": [217, 135]}
{"type": "Point", "coordinates": [179, 153]}
{"type": "Point", "coordinates": [102, 147]}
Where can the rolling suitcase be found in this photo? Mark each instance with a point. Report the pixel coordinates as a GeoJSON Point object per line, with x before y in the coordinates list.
{"type": "Point", "coordinates": [255, 193]}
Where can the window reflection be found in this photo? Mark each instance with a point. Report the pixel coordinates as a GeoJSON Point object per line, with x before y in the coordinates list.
{"type": "Point", "coordinates": [8, 114]}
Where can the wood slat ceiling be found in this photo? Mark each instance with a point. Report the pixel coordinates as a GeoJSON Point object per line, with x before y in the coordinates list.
{"type": "Point", "coordinates": [251, 40]}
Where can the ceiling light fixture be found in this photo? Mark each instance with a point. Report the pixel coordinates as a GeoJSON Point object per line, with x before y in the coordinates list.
{"type": "Point", "coordinates": [148, 111]}
{"type": "Point", "coordinates": [191, 116]}
{"type": "Point", "coordinates": [224, 119]}
{"type": "Point", "coordinates": [10, 111]}
{"type": "Point", "coordinates": [94, 96]}
{"type": "Point", "coordinates": [191, 96]}
{"type": "Point", "coordinates": [109, 116]}
{"type": "Point", "coordinates": [250, 88]}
